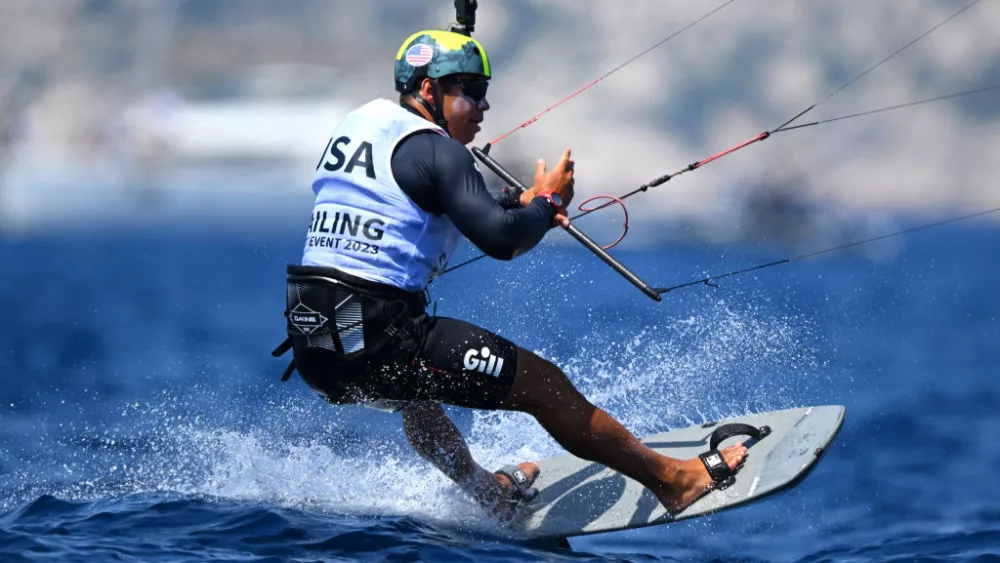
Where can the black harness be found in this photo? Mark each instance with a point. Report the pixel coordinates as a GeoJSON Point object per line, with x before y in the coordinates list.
{"type": "Point", "coordinates": [327, 308]}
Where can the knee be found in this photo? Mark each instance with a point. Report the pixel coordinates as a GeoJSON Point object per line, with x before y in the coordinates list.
{"type": "Point", "coordinates": [540, 384]}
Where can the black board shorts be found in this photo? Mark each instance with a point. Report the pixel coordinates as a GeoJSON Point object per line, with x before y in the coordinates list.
{"type": "Point", "coordinates": [361, 343]}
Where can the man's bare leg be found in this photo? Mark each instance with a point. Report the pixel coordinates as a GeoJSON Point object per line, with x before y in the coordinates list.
{"type": "Point", "coordinates": [436, 439]}
{"type": "Point", "coordinates": [542, 390]}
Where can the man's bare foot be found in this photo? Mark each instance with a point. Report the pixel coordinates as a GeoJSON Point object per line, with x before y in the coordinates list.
{"type": "Point", "coordinates": [500, 497]}
{"type": "Point", "coordinates": [690, 480]}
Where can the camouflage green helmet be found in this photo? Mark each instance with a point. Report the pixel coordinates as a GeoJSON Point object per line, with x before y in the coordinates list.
{"type": "Point", "coordinates": [434, 54]}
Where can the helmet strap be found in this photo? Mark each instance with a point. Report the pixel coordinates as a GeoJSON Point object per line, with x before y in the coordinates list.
{"type": "Point", "coordinates": [437, 110]}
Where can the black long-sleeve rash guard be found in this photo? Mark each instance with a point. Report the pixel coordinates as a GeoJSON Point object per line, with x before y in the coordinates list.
{"type": "Point", "coordinates": [440, 176]}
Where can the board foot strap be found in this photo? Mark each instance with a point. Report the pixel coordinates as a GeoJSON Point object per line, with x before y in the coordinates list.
{"type": "Point", "coordinates": [718, 469]}
{"type": "Point", "coordinates": [520, 481]}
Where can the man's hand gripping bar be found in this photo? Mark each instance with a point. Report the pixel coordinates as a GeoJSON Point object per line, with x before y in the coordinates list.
{"type": "Point", "coordinates": [509, 179]}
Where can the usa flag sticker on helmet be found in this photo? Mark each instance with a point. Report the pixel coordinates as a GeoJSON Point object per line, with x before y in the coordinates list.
{"type": "Point", "coordinates": [419, 55]}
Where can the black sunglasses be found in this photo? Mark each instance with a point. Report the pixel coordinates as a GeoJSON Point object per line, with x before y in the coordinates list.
{"type": "Point", "coordinates": [475, 90]}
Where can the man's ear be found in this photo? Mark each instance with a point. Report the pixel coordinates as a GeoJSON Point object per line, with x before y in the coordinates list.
{"type": "Point", "coordinates": [426, 90]}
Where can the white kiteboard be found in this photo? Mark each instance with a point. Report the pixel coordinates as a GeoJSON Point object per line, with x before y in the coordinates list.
{"type": "Point", "coordinates": [577, 497]}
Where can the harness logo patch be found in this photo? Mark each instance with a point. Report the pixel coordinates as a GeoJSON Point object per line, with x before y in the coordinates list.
{"type": "Point", "coordinates": [483, 362]}
{"type": "Point", "coordinates": [305, 319]}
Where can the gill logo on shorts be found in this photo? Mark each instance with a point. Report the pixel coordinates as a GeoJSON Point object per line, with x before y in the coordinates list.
{"type": "Point", "coordinates": [488, 363]}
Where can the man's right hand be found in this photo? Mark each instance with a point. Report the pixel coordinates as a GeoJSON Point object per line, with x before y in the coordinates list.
{"type": "Point", "coordinates": [558, 180]}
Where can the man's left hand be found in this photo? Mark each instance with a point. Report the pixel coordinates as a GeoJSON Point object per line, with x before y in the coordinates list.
{"type": "Point", "coordinates": [529, 194]}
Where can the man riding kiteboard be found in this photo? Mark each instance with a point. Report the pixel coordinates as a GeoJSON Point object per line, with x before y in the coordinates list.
{"type": "Point", "coordinates": [395, 189]}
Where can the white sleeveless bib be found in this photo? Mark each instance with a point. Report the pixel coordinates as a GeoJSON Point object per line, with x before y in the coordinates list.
{"type": "Point", "coordinates": [362, 222]}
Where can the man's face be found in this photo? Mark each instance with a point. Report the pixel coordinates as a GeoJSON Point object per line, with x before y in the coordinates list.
{"type": "Point", "coordinates": [464, 101]}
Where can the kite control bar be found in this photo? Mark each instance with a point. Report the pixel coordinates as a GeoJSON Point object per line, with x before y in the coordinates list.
{"type": "Point", "coordinates": [465, 14]}
{"type": "Point", "coordinates": [507, 177]}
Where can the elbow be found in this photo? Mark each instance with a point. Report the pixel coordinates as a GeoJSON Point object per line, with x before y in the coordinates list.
{"type": "Point", "coordinates": [497, 248]}
{"type": "Point", "coordinates": [499, 253]}
{"type": "Point", "coordinates": [505, 242]}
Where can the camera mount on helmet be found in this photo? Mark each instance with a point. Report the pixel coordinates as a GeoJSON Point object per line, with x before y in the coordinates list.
{"type": "Point", "coordinates": [465, 14]}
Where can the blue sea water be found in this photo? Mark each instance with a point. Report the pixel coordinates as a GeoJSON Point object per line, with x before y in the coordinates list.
{"type": "Point", "coordinates": [142, 417]}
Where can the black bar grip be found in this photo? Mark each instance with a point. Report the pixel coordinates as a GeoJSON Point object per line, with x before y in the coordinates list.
{"type": "Point", "coordinates": [493, 165]}
{"type": "Point", "coordinates": [575, 232]}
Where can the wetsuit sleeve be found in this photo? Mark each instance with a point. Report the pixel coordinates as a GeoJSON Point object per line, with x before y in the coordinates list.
{"type": "Point", "coordinates": [440, 175]}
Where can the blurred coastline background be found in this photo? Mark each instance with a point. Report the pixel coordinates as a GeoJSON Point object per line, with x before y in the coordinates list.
{"type": "Point", "coordinates": [116, 112]}
{"type": "Point", "coordinates": [155, 162]}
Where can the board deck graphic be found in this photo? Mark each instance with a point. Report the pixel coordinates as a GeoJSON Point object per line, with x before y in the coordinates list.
{"type": "Point", "coordinates": [577, 497]}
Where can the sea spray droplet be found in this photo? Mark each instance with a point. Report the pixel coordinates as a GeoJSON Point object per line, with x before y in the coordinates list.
{"type": "Point", "coordinates": [719, 362]}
